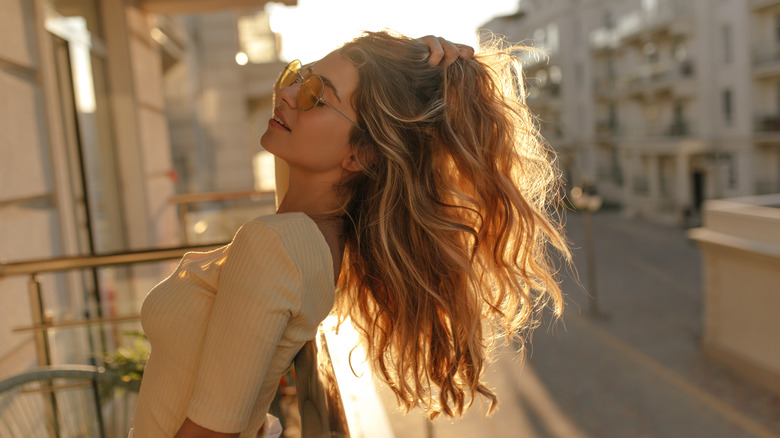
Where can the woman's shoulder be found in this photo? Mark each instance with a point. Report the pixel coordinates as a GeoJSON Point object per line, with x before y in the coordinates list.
{"type": "Point", "coordinates": [285, 222]}
{"type": "Point", "coordinates": [297, 232]}
{"type": "Point", "coordinates": [297, 238]}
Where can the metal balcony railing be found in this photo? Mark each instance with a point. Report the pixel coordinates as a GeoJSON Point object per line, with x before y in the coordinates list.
{"type": "Point", "coordinates": [67, 401]}
{"type": "Point", "coordinates": [607, 38]}
{"type": "Point", "coordinates": [766, 54]}
{"type": "Point", "coordinates": [320, 409]}
{"type": "Point", "coordinates": [674, 129]}
{"type": "Point", "coordinates": [767, 123]}
{"type": "Point", "coordinates": [225, 203]}
{"type": "Point", "coordinates": [643, 78]}
{"type": "Point", "coordinates": [642, 20]}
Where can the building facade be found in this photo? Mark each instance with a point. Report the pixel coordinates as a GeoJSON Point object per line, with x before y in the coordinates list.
{"type": "Point", "coordinates": [86, 158]}
{"type": "Point", "coordinates": [661, 104]}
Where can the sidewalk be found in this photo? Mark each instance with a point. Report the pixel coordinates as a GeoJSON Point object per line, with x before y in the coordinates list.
{"type": "Point", "coordinates": [635, 372]}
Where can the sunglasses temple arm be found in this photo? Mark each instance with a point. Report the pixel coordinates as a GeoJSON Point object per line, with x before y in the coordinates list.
{"type": "Point", "coordinates": [342, 114]}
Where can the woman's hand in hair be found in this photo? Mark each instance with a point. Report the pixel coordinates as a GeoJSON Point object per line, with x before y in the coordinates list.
{"type": "Point", "coordinates": [444, 52]}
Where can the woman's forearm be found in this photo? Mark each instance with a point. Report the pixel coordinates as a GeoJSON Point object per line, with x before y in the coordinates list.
{"type": "Point", "coordinates": [191, 430]}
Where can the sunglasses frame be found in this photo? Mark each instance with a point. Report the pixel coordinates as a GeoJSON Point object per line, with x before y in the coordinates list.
{"type": "Point", "coordinates": [294, 67]}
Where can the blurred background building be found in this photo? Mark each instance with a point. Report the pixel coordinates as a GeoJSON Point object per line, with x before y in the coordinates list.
{"type": "Point", "coordinates": [661, 104]}
{"type": "Point", "coordinates": [113, 112]}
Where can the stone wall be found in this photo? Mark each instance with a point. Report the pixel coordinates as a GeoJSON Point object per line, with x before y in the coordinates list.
{"type": "Point", "coordinates": [740, 242]}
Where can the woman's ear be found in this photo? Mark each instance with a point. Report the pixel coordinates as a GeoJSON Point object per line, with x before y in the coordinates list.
{"type": "Point", "coordinates": [351, 163]}
{"type": "Point", "coordinates": [359, 159]}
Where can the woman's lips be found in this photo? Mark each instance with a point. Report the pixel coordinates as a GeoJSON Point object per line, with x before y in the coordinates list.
{"type": "Point", "coordinates": [278, 120]}
{"type": "Point", "coordinates": [277, 124]}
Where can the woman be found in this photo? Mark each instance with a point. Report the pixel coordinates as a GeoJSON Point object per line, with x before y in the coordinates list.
{"type": "Point", "coordinates": [421, 190]}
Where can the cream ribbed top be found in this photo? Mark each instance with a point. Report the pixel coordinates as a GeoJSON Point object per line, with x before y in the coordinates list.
{"type": "Point", "coordinates": [225, 326]}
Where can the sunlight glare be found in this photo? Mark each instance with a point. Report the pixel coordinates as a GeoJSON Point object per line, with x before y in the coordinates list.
{"type": "Point", "coordinates": [242, 58]}
{"type": "Point", "coordinates": [314, 28]}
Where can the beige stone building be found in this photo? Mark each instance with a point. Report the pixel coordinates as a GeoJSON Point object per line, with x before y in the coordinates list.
{"type": "Point", "coordinates": [661, 104]}
{"type": "Point", "coordinates": [89, 163]}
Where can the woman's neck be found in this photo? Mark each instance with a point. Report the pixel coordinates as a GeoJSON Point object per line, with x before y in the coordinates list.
{"type": "Point", "coordinates": [317, 200]}
{"type": "Point", "coordinates": [321, 203]}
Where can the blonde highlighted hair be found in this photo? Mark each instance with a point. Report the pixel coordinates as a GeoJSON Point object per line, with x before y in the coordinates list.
{"type": "Point", "coordinates": [449, 225]}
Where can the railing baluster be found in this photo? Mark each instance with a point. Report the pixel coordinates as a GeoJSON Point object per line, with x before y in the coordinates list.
{"type": "Point", "coordinates": [43, 352]}
{"type": "Point", "coordinates": [38, 313]}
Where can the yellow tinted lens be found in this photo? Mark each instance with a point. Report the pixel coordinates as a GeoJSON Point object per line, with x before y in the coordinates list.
{"type": "Point", "coordinates": [310, 92]}
{"type": "Point", "coordinates": [290, 74]}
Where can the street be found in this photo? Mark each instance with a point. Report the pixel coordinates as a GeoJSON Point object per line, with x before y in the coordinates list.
{"type": "Point", "coordinates": [635, 370]}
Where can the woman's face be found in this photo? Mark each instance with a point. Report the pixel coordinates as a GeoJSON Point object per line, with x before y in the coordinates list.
{"type": "Point", "coordinates": [317, 140]}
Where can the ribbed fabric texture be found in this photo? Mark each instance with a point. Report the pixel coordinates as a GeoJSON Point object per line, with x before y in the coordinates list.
{"type": "Point", "coordinates": [225, 326]}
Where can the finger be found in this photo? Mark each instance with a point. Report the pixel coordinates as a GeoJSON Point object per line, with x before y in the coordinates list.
{"type": "Point", "coordinates": [451, 52]}
{"type": "Point", "coordinates": [437, 51]}
{"type": "Point", "coordinates": [466, 52]}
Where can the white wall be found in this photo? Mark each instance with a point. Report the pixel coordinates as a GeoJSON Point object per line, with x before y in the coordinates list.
{"type": "Point", "coordinates": [38, 215]}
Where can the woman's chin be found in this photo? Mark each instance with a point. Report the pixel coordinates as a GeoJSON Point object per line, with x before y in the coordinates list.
{"type": "Point", "coordinates": [267, 143]}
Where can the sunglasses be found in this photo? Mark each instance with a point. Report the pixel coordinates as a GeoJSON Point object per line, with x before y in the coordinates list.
{"type": "Point", "coordinates": [311, 91]}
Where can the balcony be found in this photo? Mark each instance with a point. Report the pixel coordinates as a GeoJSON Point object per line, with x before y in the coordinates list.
{"type": "Point", "coordinates": [677, 79]}
{"type": "Point", "coordinates": [668, 18]}
{"type": "Point", "coordinates": [656, 131]}
{"type": "Point", "coordinates": [548, 95]}
{"type": "Point", "coordinates": [534, 60]}
{"type": "Point", "coordinates": [640, 185]}
{"type": "Point", "coordinates": [98, 400]}
{"type": "Point", "coordinates": [605, 87]}
{"type": "Point", "coordinates": [767, 128]}
{"type": "Point", "coordinates": [607, 129]}
{"type": "Point", "coordinates": [768, 123]}
{"type": "Point", "coordinates": [767, 187]}
{"type": "Point", "coordinates": [656, 77]}
{"type": "Point", "coordinates": [197, 6]}
{"type": "Point", "coordinates": [766, 60]}
{"type": "Point", "coordinates": [760, 5]}
{"type": "Point", "coordinates": [552, 130]}
{"type": "Point", "coordinates": [604, 39]}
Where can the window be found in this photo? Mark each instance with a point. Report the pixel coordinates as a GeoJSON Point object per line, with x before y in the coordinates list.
{"type": "Point", "coordinates": [641, 181]}
{"type": "Point", "coordinates": [728, 105]}
{"type": "Point", "coordinates": [540, 38]}
{"type": "Point", "coordinates": [578, 73]}
{"type": "Point", "coordinates": [649, 5]}
{"type": "Point", "coordinates": [666, 168]}
{"type": "Point", "coordinates": [678, 111]}
{"type": "Point", "coordinates": [651, 53]}
{"type": "Point", "coordinates": [732, 171]}
{"type": "Point", "coordinates": [777, 100]}
{"type": "Point", "coordinates": [678, 127]}
{"type": "Point", "coordinates": [726, 31]}
{"type": "Point", "coordinates": [679, 50]}
{"type": "Point", "coordinates": [257, 40]}
{"type": "Point", "coordinates": [777, 28]}
{"type": "Point", "coordinates": [613, 117]}
{"type": "Point", "coordinates": [556, 75]}
{"type": "Point", "coordinates": [611, 71]}
{"type": "Point", "coordinates": [553, 39]}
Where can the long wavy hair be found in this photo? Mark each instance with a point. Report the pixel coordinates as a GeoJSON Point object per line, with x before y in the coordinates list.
{"type": "Point", "coordinates": [450, 224]}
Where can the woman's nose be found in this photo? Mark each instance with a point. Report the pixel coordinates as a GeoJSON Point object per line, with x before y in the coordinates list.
{"type": "Point", "coordinates": [288, 95]}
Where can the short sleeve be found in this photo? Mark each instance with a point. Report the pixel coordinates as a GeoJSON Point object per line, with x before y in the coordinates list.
{"type": "Point", "coordinates": [259, 290]}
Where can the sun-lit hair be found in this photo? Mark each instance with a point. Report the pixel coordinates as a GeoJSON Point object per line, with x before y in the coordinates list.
{"type": "Point", "coordinates": [449, 225]}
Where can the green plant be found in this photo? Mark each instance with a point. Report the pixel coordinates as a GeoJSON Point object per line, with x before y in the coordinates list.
{"type": "Point", "coordinates": [129, 361]}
